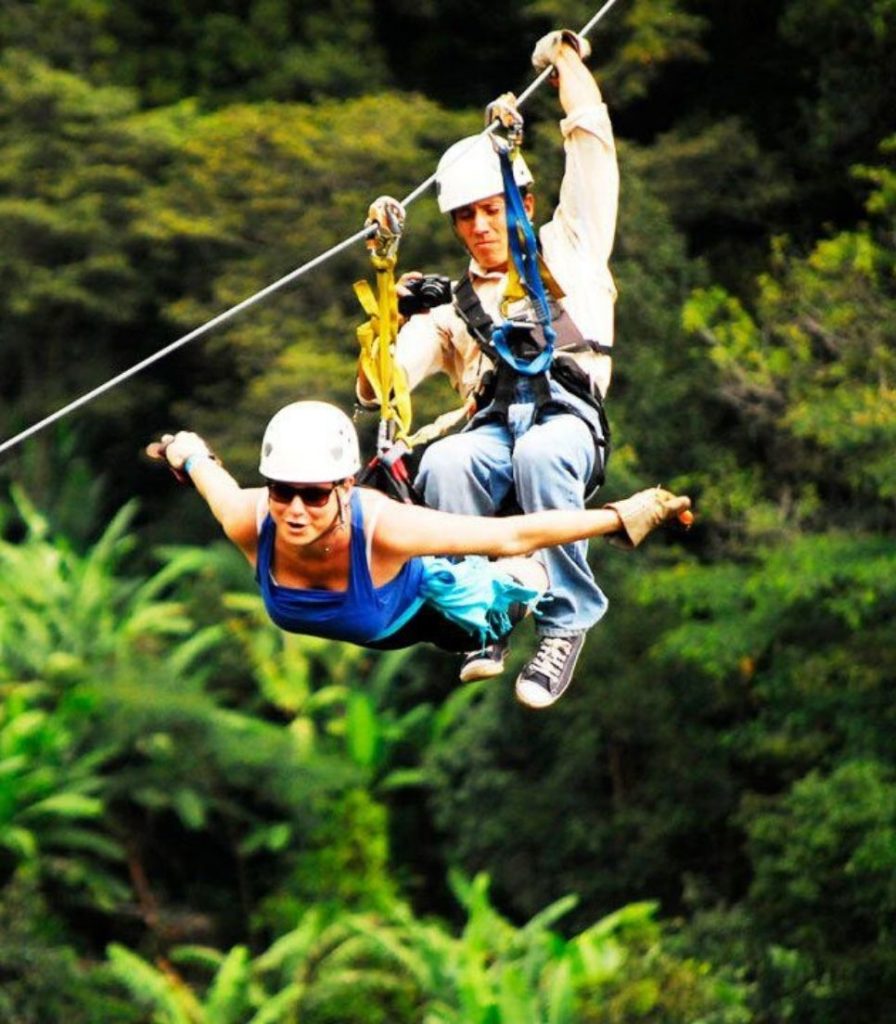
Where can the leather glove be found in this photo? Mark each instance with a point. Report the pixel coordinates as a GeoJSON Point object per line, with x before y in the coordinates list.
{"type": "Point", "coordinates": [646, 510]}
{"type": "Point", "coordinates": [504, 111]}
{"type": "Point", "coordinates": [548, 48]}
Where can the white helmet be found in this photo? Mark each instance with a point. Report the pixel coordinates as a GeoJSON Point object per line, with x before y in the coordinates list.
{"type": "Point", "coordinates": [310, 443]}
{"type": "Point", "coordinates": [470, 170]}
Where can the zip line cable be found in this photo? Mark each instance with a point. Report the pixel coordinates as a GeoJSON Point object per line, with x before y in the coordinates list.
{"type": "Point", "coordinates": [293, 275]}
{"type": "Point", "coordinates": [180, 342]}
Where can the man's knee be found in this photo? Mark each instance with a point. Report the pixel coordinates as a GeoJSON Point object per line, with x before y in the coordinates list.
{"type": "Point", "coordinates": [565, 453]}
{"type": "Point", "coordinates": [465, 473]}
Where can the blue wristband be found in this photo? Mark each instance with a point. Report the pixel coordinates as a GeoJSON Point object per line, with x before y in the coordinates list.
{"type": "Point", "coordinates": [190, 460]}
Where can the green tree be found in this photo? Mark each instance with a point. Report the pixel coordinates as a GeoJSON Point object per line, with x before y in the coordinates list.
{"type": "Point", "coordinates": [811, 372]}
{"type": "Point", "coordinates": [256, 51]}
{"type": "Point", "coordinates": [64, 614]}
{"type": "Point", "coordinates": [847, 109]}
{"type": "Point", "coordinates": [392, 966]}
{"type": "Point", "coordinates": [497, 972]}
{"type": "Point", "coordinates": [44, 977]}
{"type": "Point", "coordinates": [51, 800]}
{"type": "Point", "coordinates": [824, 857]}
{"type": "Point", "coordinates": [130, 750]}
{"type": "Point", "coordinates": [73, 177]}
{"type": "Point", "coordinates": [82, 281]}
{"type": "Point", "coordinates": [287, 183]}
{"type": "Point", "coordinates": [233, 996]}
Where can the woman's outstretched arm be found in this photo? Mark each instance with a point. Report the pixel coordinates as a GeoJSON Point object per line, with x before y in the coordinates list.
{"type": "Point", "coordinates": [410, 530]}
{"type": "Point", "coordinates": [233, 506]}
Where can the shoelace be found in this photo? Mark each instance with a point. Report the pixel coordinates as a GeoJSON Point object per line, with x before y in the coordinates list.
{"type": "Point", "coordinates": [551, 656]}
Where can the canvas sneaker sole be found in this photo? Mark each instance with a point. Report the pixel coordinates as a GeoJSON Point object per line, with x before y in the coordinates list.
{"type": "Point", "coordinates": [533, 694]}
{"type": "Point", "coordinates": [484, 668]}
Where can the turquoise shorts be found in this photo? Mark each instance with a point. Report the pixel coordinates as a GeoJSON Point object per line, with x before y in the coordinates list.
{"type": "Point", "coordinates": [474, 593]}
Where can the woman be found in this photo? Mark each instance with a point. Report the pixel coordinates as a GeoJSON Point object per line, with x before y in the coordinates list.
{"type": "Point", "coordinates": [348, 563]}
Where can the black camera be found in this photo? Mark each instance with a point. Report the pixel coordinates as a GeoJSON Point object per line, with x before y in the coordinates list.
{"type": "Point", "coordinates": [426, 292]}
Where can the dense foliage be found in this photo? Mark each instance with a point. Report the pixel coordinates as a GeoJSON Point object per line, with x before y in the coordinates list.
{"type": "Point", "coordinates": [204, 820]}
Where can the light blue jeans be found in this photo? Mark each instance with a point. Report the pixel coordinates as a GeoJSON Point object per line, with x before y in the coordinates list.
{"type": "Point", "coordinates": [548, 463]}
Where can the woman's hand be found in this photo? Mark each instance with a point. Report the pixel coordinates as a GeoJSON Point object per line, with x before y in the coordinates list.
{"type": "Point", "coordinates": [177, 448]}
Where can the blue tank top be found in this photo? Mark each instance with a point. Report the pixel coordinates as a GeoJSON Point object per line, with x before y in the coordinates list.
{"type": "Point", "coordinates": [361, 614]}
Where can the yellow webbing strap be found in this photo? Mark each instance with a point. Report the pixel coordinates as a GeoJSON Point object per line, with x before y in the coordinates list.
{"type": "Point", "coordinates": [388, 380]}
{"type": "Point", "coordinates": [377, 340]}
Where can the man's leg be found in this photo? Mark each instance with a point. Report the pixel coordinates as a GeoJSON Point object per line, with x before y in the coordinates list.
{"type": "Point", "coordinates": [470, 473]}
{"type": "Point", "coordinates": [552, 462]}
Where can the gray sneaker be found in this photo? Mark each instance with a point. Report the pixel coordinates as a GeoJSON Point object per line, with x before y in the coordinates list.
{"type": "Point", "coordinates": [547, 675]}
{"type": "Point", "coordinates": [485, 663]}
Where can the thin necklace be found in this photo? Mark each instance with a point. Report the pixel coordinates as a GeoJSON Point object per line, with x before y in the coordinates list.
{"type": "Point", "coordinates": [337, 524]}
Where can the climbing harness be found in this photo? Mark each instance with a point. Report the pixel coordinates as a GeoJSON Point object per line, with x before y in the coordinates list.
{"type": "Point", "coordinates": [497, 389]}
{"type": "Point", "coordinates": [252, 300]}
{"type": "Point", "coordinates": [387, 470]}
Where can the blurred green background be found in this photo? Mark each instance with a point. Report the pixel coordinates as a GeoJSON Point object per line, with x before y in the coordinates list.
{"type": "Point", "coordinates": [204, 821]}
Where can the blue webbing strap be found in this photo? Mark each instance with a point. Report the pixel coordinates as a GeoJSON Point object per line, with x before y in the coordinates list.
{"type": "Point", "coordinates": [524, 252]}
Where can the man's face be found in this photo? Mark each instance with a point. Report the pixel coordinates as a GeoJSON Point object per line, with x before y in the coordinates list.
{"type": "Point", "coordinates": [482, 227]}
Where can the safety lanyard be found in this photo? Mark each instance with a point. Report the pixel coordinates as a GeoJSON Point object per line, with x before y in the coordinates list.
{"type": "Point", "coordinates": [524, 253]}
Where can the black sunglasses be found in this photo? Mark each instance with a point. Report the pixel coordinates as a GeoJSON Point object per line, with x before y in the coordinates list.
{"type": "Point", "coordinates": [310, 495]}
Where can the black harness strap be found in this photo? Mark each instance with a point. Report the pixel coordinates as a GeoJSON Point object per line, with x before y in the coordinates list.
{"type": "Point", "coordinates": [477, 321]}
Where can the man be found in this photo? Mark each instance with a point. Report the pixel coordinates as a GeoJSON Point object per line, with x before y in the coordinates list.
{"type": "Point", "coordinates": [541, 439]}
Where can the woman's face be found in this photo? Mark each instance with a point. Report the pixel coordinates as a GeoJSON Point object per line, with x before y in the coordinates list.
{"type": "Point", "coordinates": [302, 512]}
